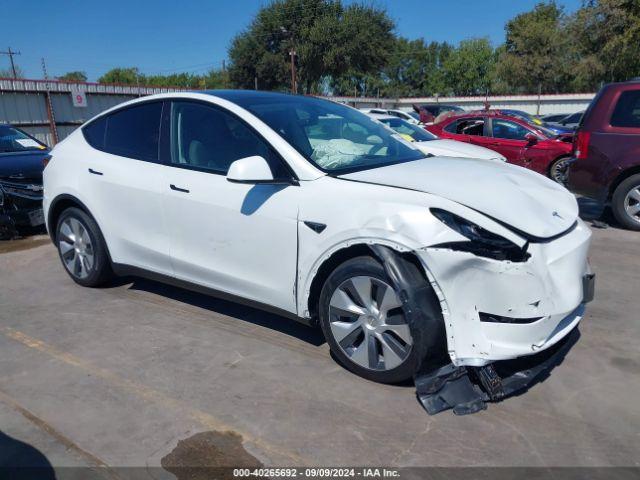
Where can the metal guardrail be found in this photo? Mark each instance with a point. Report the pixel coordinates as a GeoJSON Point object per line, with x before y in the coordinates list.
{"type": "Point", "coordinates": [24, 85]}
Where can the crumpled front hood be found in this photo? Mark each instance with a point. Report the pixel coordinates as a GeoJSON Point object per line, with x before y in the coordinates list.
{"type": "Point", "coordinates": [513, 195]}
{"type": "Point", "coordinates": [453, 148]}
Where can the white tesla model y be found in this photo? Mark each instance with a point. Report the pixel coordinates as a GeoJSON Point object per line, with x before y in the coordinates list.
{"type": "Point", "coordinates": [316, 211]}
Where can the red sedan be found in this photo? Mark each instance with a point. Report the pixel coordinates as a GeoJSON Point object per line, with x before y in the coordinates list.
{"type": "Point", "coordinates": [523, 144]}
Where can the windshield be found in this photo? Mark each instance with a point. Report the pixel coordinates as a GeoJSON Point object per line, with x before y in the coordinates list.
{"type": "Point", "coordinates": [545, 131]}
{"type": "Point", "coordinates": [14, 140]}
{"type": "Point", "coordinates": [411, 132]}
{"type": "Point", "coordinates": [333, 137]}
{"type": "Point", "coordinates": [575, 118]}
{"type": "Point", "coordinates": [525, 116]}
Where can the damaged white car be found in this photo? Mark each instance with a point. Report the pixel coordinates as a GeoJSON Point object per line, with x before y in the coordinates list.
{"type": "Point", "coordinates": [312, 209]}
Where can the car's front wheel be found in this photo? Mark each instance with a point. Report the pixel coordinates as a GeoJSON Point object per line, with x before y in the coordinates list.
{"type": "Point", "coordinates": [82, 248]}
{"type": "Point", "coordinates": [364, 323]}
{"type": "Point", "coordinates": [626, 203]}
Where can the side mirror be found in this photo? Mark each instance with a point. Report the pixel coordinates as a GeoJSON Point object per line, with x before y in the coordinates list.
{"type": "Point", "coordinates": [531, 138]}
{"type": "Point", "coordinates": [250, 170]}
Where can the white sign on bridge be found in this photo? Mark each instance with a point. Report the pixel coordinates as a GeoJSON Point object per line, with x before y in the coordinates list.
{"type": "Point", "coordinates": [79, 99]}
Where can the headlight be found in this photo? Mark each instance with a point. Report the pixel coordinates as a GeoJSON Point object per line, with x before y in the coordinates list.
{"type": "Point", "coordinates": [481, 242]}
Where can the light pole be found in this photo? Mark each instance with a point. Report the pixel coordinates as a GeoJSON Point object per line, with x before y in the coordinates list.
{"type": "Point", "coordinates": [292, 55]}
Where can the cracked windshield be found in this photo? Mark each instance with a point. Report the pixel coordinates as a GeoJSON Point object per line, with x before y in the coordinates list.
{"type": "Point", "coordinates": [334, 137]}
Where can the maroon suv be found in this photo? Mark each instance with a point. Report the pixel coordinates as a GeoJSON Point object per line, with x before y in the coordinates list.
{"type": "Point", "coordinates": [606, 165]}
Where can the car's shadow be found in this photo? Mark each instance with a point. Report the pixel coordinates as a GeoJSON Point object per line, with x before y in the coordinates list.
{"type": "Point", "coordinates": [597, 214]}
{"type": "Point", "coordinates": [228, 308]}
{"type": "Point", "coordinates": [20, 460]}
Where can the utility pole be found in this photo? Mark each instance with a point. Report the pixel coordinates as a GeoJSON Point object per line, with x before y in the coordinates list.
{"type": "Point", "coordinates": [50, 115]}
{"type": "Point", "coordinates": [292, 53]}
{"type": "Point", "coordinates": [10, 54]}
{"type": "Point", "coordinates": [539, 95]}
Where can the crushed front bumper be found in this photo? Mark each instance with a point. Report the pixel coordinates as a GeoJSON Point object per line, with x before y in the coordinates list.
{"type": "Point", "coordinates": [22, 204]}
{"type": "Point", "coordinates": [500, 310]}
{"type": "Point", "coordinates": [467, 390]}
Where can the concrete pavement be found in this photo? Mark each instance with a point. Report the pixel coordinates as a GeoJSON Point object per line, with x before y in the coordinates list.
{"type": "Point", "coordinates": [118, 376]}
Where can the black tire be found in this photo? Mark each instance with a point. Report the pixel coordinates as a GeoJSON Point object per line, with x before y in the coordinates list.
{"type": "Point", "coordinates": [559, 169]}
{"type": "Point", "coordinates": [368, 266]}
{"type": "Point", "coordinates": [619, 200]}
{"type": "Point", "coordinates": [100, 271]}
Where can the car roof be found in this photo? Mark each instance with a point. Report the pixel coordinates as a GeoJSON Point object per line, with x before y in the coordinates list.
{"type": "Point", "coordinates": [236, 95]}
{"type": "Point", "coordinates": [473, 113]}
{"type": "Point", "coordinates": [382, 116]}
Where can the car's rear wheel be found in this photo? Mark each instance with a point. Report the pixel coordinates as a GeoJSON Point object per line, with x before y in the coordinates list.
{"type": "Point", "coordinates": [559, 170]}
{"type": "Point", "coordinates": [82, 248]}
{"type": "Point", "coordinates": [364, 323]}
{"type": "Point", "coordinates": [626, 203]}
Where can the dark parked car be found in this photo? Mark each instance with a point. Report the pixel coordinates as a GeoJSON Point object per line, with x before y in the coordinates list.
{"type": "Point", "coordinates": [554, 117]}
{"type": "Point", "coordinates": [569, 122]}
{"type": "Point", "coordinates": [524, 144]}
{"type": "Point", "coordinates": [607, 152]}
{"type": "Point", "coordinates": [22, 160]}
{"type": "Point", "coordinates": [430, 111]}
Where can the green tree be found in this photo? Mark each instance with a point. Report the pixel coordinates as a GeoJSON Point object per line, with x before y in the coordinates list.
{"type": "Point", "coordinates": [76, 76]}
{"type": "Point", "coordinates": [414, 68]}
{"type": "Point", "coordinates": [127, 76]}
{"type": "Point", "coordinates": [535, 51]}
{"type": "Point", "coordinates": [468, 69]}
{"type": "Point", "coordinates": [606, 37]}
{"type": "Point", "coordinates": [8, 73]}
{"type": "Point", "coordinates": [330, 40]}
{"type": "Point", "coordinates": [216, 79]}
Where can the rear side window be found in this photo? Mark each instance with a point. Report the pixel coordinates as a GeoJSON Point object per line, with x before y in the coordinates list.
{"type": "Point", "coordinates": [94, 133]}
{"type": "Point", "coordinates": [468, 126]}
{"type": "Point", "coordinates": [627, 112]}
{"type": "Point", "coordinates": [133, 132]}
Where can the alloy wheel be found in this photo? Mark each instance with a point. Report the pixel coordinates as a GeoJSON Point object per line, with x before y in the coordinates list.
{"type": "Point", "coordinates": [560, 170]}
{"type": "Point", "coordinates": [632, 204]}
{"type": "Point", "coordinates": [367, 322]}
{"type": "Point", "coordinates": [76, 249]}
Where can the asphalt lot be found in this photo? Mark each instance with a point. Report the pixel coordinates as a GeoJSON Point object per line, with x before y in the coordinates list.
{"type": "Point", "coordinates": [119, 376]}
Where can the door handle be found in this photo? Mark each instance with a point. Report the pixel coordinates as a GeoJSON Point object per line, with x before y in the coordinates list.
{"type": "Point", "coordinates": [95, 172]}
{"type": "Point", "coordinates": [178, 189]}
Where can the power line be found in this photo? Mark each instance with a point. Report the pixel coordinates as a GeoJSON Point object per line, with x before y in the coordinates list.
{"type": "Point", "coordinates": [10, 54]}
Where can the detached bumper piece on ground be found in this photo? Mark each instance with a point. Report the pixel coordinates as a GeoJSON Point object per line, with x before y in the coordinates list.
{"type": "Point", "coordinates": [467, 390]}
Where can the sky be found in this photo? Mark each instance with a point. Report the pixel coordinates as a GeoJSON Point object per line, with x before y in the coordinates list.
{"type": "Point", "coordinates": [164, 36]}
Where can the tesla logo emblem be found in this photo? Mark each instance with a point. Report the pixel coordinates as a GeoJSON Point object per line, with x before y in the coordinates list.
{"type": "Point", "coordinates": [556, 214]}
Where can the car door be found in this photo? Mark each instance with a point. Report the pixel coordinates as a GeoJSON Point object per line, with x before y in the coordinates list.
{"type": "Point", "coordinates": [481, 135]}
{"type": "Point", "coordinates": [509, 140]}
{"type": "Point", "coordinates": [235, 238]}
{"type": "Point", "coordinates": [123, 178]}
